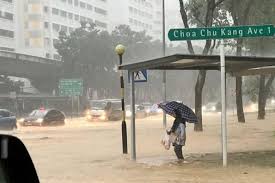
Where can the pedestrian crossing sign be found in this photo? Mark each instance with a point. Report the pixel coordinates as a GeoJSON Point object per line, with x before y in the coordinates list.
{"type": "Point", "coordinates": [139, 76]}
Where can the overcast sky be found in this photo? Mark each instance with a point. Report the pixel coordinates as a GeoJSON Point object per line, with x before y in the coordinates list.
{"type": "Point", "coordinates": [172, 4]}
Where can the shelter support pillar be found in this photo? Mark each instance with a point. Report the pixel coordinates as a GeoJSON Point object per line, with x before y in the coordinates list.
{"type": "Point", "coordinates": [133, 118]}
{"type": "Point", "coordinates": [164, 98]}
{"type": "Point", "coordinates": [223, 101]}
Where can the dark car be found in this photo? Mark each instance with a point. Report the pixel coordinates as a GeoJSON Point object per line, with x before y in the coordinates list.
{"type": "Point", "coordinates": [7, 120]}
{"type": "Point", "coordinates": [44, 117]}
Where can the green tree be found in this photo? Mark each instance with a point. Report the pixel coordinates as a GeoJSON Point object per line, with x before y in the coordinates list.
{"type": "Point", "coordinates": [263, 13]}
{"type": "Point", "coordinates": [8, 85]}
{"type": "Point", "coordinates": [201, 13]}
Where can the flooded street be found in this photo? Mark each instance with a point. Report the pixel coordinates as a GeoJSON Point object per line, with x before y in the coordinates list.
{"type": "Point", "coordinates": [91, 152]}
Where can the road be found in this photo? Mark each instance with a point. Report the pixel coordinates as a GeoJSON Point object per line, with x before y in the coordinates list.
{"type": "Point", "coordinates": [91, 152]}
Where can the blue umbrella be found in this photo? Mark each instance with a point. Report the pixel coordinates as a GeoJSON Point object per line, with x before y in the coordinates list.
{"type": "Point", "coordinates": [186, 112]}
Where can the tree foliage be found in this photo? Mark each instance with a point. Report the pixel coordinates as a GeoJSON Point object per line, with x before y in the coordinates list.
{"type": "Point", "coordinates": [8, 85]}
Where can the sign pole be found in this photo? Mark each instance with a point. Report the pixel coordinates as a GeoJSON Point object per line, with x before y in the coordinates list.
{"type": "Point", "coordinates": [133, 118]}
{"type": "Point", "coordinates": [223, 98]}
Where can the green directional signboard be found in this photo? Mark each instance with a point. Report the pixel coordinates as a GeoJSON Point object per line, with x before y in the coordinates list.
{"type": "Point", "coordinates": [70, 87]}
{"type": "Point", "coordinates": [221, 32]}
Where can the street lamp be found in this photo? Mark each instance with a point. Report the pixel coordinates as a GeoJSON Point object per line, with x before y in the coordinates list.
{"type": "Point", "coordinates": [120, 49]}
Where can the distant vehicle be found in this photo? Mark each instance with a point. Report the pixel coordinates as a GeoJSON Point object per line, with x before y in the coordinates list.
{"type": "Point", "coordinates": [139, 111]}
{"type": "Point", "coordinates": [104, 110]}
{"type": "Point", "coordinates": [7, 120]}
{"type": "Point", "coordinates": [148, 108]}
{"type": "Point", "coordinates": [44, 117]}
{"type": "Point", "coordinates": [155, 110]}
{"type": "Point", "coordinates": [212, 107]}
{"type": "Point", "coordinates": [270, 104]}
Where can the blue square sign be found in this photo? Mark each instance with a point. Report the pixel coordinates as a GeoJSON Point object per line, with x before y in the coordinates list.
{"type": "Point", "coordinates": [140, 76]}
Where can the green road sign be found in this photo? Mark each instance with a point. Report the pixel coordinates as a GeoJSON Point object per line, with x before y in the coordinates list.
{"type": "Point", "coordinates": [221, 32]}
{"type": "Point", "coordinates": [70, 87]}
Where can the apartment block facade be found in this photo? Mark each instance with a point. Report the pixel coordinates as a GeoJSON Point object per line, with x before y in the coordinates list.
{"type": "Point", "coordinates": [32, 26]}
{"type": "Point", "coordinates": [7, 28]}
{"type": "Point", "coordinates": [42, 20]}
{"type": "Point", "coordinates": [140, 15]}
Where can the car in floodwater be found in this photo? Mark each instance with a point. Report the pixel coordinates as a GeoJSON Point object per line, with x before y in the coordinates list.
{"type": "Point", "coordinates": [212, 107]}
{"type": "Point", "coordinates": [139, 111]}
{"type": "Point", "coordinates": [104, 110]}
{"type": "Point", "coordinates": [44, 117]}
{"type": "Point", "coordinates": [7, 120]}
{"type": "Point", "coordinates": [148, 108]}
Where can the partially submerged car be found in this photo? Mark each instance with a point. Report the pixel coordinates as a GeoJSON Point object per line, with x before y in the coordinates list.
{"type": "Point", "coordinates": [104, 110]}
{"type": "Point", "coordinates": [148, 108]}
{"type": "Point", "coordinates": [7, 120]}
{"type": "Point", "coordinates": [212, 107]}
{"type": "Point", "coordinates": [139, 111]}
{"type": "Point", "coordinates": [44, 117]}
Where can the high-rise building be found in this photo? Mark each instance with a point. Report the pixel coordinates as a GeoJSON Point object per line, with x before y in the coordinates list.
{"type": "Point", "coordinates": [42, 20]}
{"type": "Point", "coordinates": [140, 15]}
{"type": "Point", "coordinates": [7, 28]}
{"type": "Point", "coordinates": [32, 26]}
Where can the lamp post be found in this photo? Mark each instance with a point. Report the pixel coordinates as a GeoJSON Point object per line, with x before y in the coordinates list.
{"type": "Point", "coordinates": [120, 49]}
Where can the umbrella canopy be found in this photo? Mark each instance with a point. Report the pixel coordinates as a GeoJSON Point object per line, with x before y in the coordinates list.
{"type": "Point", "coordinates": [186, 112]}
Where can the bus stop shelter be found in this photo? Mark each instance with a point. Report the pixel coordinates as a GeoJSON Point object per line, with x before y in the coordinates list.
{"type": "Point", "coordinates": [234, 65]}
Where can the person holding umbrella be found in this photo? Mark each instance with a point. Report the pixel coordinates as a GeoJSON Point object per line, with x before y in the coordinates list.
{"type": "Point", "coordinates": [178, 128]}
{"type": "Point", "coordinates": [182, 114]}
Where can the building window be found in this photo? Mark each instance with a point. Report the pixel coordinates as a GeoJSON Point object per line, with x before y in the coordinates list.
{"type": "Point", "coordinates": [56, 27]}
{"type": "Point", "coordinates": [27, 42]}
{"type": "Point", "coordinates": [47, 42]}
{"type": "Point", "coordinates": [70, 15]}
{"type": "Point", "coordinates": [76, 17]}
{"type": "Point", "coordinates": [46, 25]}
{"type": "Point", "coordinates": [9, 1]}
{"type": "Point", "coordinates": [82, 19]}
{"type": "Point", "coordinates": [89, 7]}
{"type": "Point", "coordinates": [131, 9]}
{"type": "Point", "coordinates": [63, 13]}
{"type": "Point", "coordinates": [6, 15]}
{"type": "Point", "coordinates": [76, 2]}
{"type": "Point", "coordinates": [100, 11]}
{"type": "Point", "coordinates": [7, 49]}
{"type": "Point", "coordinates": [46, 9]}
{"type": "Point", "coordinates": [55, 11]}
{"type": "Point", "coordinates": [6, 33]}
{"type": "Point", "coordinates": [82, 4]}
